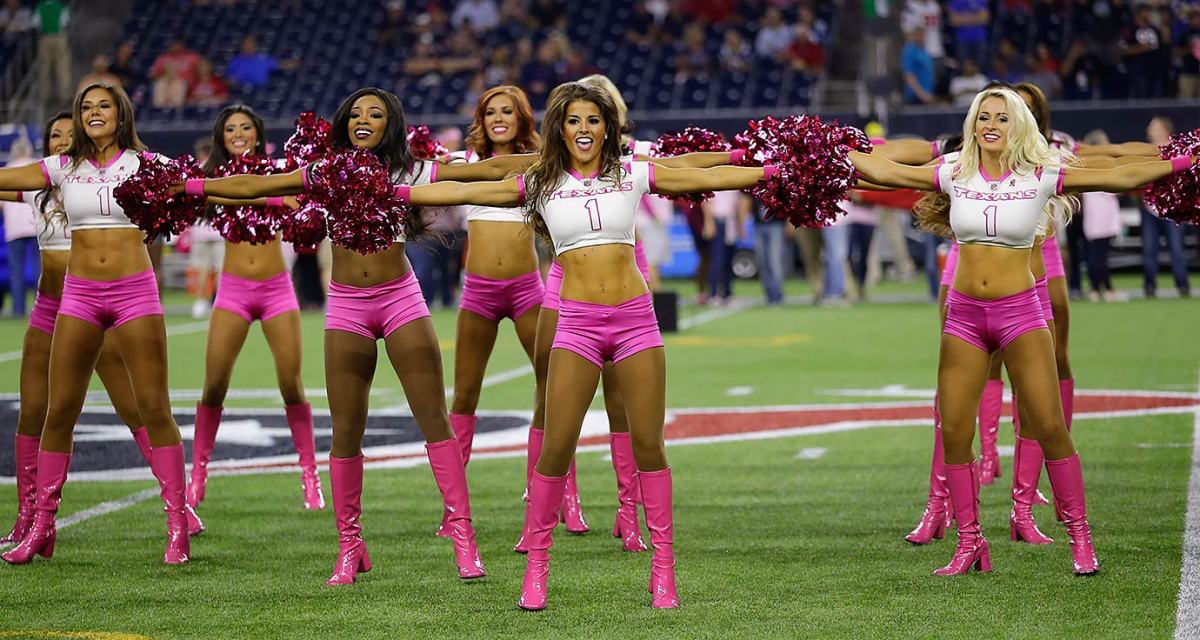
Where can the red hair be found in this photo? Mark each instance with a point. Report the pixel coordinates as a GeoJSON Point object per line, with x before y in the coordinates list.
{"type": "Point", "coordinates": [527, 139]}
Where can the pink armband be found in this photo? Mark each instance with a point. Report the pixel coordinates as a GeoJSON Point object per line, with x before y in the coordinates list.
{"type": "Point", "coordinates": [194, 187]}
{"type": "Point", "coordinates": [770, 171]}
{"type": "Point", "coordinates": [402, 192]}
{"type": "Point", "coordinates": [1181, 163]}
{"type": "Point", "coordinates": [736, 156]}
{"type": "Point", "coordinates": [275, 201]}
{"type": "Point", "coordinates": [878, 141]}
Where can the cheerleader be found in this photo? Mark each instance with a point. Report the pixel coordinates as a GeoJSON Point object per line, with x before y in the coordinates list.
{"type": "Point", "coordinates": [109, 285]}
{"type": "Point", "coordinates": [54, 242]}
{"type": "Point", "coordinates": [583, 196]}
{"type": "Point", "coordinates": [254, 285]}
{"type": "Point", "coordinates": [993, 304]}
{"type": "Point", "coordinates": [373, 297]}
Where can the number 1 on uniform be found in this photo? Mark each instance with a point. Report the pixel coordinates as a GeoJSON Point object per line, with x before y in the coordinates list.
{"type": "Point", "coordinates": [593, 209]}
{"type": "Point", "coordinates": [989, 221]}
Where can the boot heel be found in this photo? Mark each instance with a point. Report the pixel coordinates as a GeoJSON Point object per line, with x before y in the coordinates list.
{"type": "Point", "coordinates": [983, 562]}
{"type": "Point", "coordinates": [1012, 532]}
{"type": "Point", "coordinates": [616, 529]}
{"type": "Point", "coordinates": [48, 550]}
{"type": "Point", "coordinates": [364, 561]}
{"type": "Point", "coordinates": [940, 531]}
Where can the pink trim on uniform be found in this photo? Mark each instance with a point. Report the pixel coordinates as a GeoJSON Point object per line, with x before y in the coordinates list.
{"type": "Point", "coordinates": [1042, 287]}
{"type": "Point", "coordinates": [1052, 257]}
{"type": "Point", "coordinates": [45, 310]}
{"type": "Point", "coordinates": [602, 333]}
{"type": "Point", "coordinates": [1058, 186]}
{"type": "Point", "coordinates": [256, 299]}
{"type": "Point", "coordinates": [45, 172]}
{"type": "Point", "coordinates": [987, 176]}
{"type": "Point", "coordinates": [433, 171]}
{"type": "Point", "coordinates": [937, 177]}
{"type": "Point", "coordinates": [554, 279]}
{"type": "Point", "coordinates": [992, 325]}
{"type": "Point", "coordinates": [498, 299]}
{"type": "Point", "coordinates": [878, 141]}
{"type": "Point", "coordinates": [521, 188]}
{"type": "Point", "coordinates": [374, 312]}
{"type": "Point", "coordinates": [111, 161]}
{"type": "Point", "coordinates": [579, 176]}
{"type": "Point", "coordinates": [304, 177]}
{"type": "Point", "coordinates": [20, 196]}
{"type": "Point", "coordinates": [937, 151]}
{"type": "Point", "coordinates": [111, 303]}
{"type": "Point", "coordinates": [639, 256]}
{"type": "Point", "coordinates": [652, 188]}
{"type": "Point", "coordinates": [950, 266]}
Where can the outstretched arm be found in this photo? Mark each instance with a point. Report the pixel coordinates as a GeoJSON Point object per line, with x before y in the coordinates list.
{"type": "Point", "coordinates": [1123, 149]}
{"type": "Point", "coordinates": [505, 193]}
{"type": "Point", "coordinates": [12, 196]}
{"type": "Point", "coordinates": [495, 168]}
{"type": "Point", "coordinates": [669, 181]}
{"type": "Point", "coordinates": [884, 172]}
{"type": "Point", "coordinates": [1125, 178]}
{"type": "Point", "coordinates": [27, 177]}
{"type": "Point", "coordinates": [912, 151]}
{"type": "Point", "coordinates": [246, 186]}
{"type": "Point", "coordinates": [697, 160]}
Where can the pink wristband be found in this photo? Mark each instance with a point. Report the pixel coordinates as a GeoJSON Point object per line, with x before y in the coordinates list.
{"type": "Point", "coordinates": [736, 156]}
{"type": "Point", "coordinates": [770, 171]}
{"type": "Point", "coordinates": [194, 187]}
{"type": "Point", "coordinates": [1181, 163]}
{"type": "Point", "coordinates": [402, 192]}
{"type": "Point", "coordinates": [275, 201]}
{"type": "Point", "coordinates": [878, 141]}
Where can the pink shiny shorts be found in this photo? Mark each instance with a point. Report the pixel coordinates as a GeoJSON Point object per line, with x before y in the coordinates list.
{"type": "Point", "coordinates": [256, 299]}
{"type": "Point", "coordinates": [992, 325]}
{"type": "Point", "coordinates": [950, 266]}
{"type": "Point", "coordinates": [374, 312]}
{"type": "Point", "coordinates": [554, 279]}
{"type": "Point", "coordinates": [1043, 293]}
{"type": "Point", "coordinates": [600, 333]}
{"type": "Point", "coordinates": [498, 299]}
{"type": "Point", "coordinates": [111, 303]}
{"type": "Point", "coordinates": [45, 310]}
{"type": "Point", "coordinates": [1052, 256]}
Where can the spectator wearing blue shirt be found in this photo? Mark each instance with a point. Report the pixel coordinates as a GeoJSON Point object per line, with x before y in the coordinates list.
{"type": "Point", "coordinates": [917, 68]}
{"type": "Point", "coordinates": [252, 68]}
{"type": "Point", "coordinates": [970, 21]}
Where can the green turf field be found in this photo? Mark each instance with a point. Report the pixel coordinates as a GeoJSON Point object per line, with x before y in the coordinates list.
{"type": "Point", "coordinates": [791, 537]}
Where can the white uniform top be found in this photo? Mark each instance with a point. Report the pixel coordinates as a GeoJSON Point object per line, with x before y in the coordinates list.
{"type": "Point", "coordinates": [585, 212]}
{"type": "Point", "coordinates": [1008, 211]}
{"type": "Point", "coordinates": [1063, 141]}
{"type": "Point", "coordinates": [52, 235]}
{"type": "Point", "coordinates": [641, 147]}
{"type": "Point", "coordinates": [423, 172]}
{"type": "Point", "coordinates": [487, 213]}
{"type": "Point", "coordinates": [87, 189]}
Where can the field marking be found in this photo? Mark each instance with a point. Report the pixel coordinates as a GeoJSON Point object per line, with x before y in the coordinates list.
{"type": "Point", "coordinates": [1187, 612]}
{"type": "Point", "coordinates": [734, 392]}
{"type": "Point", "coordinates": [172, 331]}
{"type": "Point", "coordinates": [101, 509]}
{"type": "Point", "coordinates": [811, 453]}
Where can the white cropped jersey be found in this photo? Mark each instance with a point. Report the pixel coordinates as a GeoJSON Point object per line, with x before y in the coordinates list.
{"type": "Point", "coordinates": [585, 212]}
{"type": "Point", "coordinates": [486, 213]}
{"type": "Point", "coordinates": [86, 190]}
{"type": "Point", "coordinates": [640, 147]}
{"type": "Point", "coordinates": [1009, 211]}
{"type": "Point", "coordinates": [52, 234]}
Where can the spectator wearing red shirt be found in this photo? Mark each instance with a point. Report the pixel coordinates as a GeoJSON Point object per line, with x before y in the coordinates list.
{"type": "Point", "coordinates": [805, 53]}
{"type": "Point", "coordinates": [209, 90]}
{"type": "Point", "coordinates": [179, 58]}
{"type": "Point", "coordinates": [710, 11]}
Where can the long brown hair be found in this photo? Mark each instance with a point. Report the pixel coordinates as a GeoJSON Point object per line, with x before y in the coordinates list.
{"type": "Point", "coordinates": [1040, 106]}
{"type": "Point", "coordinates": [547, 172]}
{"type": "Point", "coordinates": [527, 139]}
{"type": "Point", "coordinates": [50, 195]}
{"type": "Point", "coordinates": [83, 147]}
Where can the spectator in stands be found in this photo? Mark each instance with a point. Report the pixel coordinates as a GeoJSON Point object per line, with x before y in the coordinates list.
{"type": "Point", "coordinates": [926, 14]}
{"type": "Point", "coordinates": [577, 65]}
{"type": "Point", "coordinates": [1079, 71]}
{"type": "Point", "coordinates": [209, 89]}
{"type": "Point", "coordinates": [735, 53]}
{"type": "Point", "coordinates": [1101, 223]}
{"type": "Point", "coordinates": [179, 59]}
{"type": "Point", "coordinates": [51, 17]}
{"type": "Point", "coordinates": [1153, 227]}
{"type": "Point", "coordinates": [543, 73]}
{"type": "Point", "coordinates": [805, 54]}
{"type": "Point", "coordinates": [861, 220]}
{"type": "Point", "coordinates": [968, 83]}
{"type": "Point", "coordinates": [123, 67]}
{"type": "Point", "coordinates": [1041, 69]}
{"type": "Point", "coordinates": [1146, 55]}
{"type": "Point", "coordinates": [395, 26]}
{"type": "Point", "coordinates": [101, 72]}
{"type": "Point", "coordinates": [502, 68]}
{"type": "Point", "coordinates": [836, 240]}
{"type": "Point", "coordinates": [549, 14]}
{"type": "Point", "coordinates": [770, 237]}
{"type": "Point", "coordinates": [917, 67]}
{"type": "Point", "coordinates": [1189, 55]}
{"type": "Point", "coordinates": [478, 15]}
{"type": "Point", "coordinates": [818, 28]}
{"type": "Point", "coordinates": [515, 23]}
{"type": "Point", "coordinates": [170, 90]}
{"type": "Point", "coordinates": [15, 20]}
{"type": "Point", "coordinates": [724, 219]}
{"type": "Point", "coordinates": [641, 28]}
{"type": "Point", "coordinates": [774, 36]}
{"type": "Point", "coordinates": [252, 68]}
{"type": "Point", "coordinates": [692, 59]}
{"type": "Point", "coordinates": [711, 11]}
{"type": "Point", "coordinates": [424, 64]}
{"type": "Point", "coordinates": [20, 234]}
{"type": "Point", "coordinates": [970, 19]}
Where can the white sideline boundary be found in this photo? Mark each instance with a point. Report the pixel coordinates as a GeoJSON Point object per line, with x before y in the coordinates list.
{"type": "Point", "coordinates": [101, 509]}
{"type": "Point", "coordinates": [1187, 612]}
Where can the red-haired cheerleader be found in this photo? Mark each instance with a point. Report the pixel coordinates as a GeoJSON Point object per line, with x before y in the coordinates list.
{"type": "Point", "coordinates": [54, 243]}
{"type": "Point", "coordinates": [255, 285]}
{"type": "Point", "coordinates": [583, 195]}
{"type": "Point", "coordinates": [374, 297]}
{"type": "Point", "coordinates": [999, 188]}
{"type": "Point", "coordinates": [109, 285]}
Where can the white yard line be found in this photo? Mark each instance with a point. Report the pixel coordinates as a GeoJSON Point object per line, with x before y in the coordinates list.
{"type": "Point", "coordinates": [103, 508]}
{"type": "Point", "coordinates": [1187, 613]}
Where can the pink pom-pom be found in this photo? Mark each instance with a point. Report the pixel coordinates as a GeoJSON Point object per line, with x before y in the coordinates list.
{"type": "Point", "coordinates": [423, 145]}
{"type": "Point", "coordinates": [305, 227]}
{"type": "Point", "coordinates": [690, 140]}
{"type": "Point", "coordinates": [254, 225]}
{"type": "Point", "coordinates": [356, 190]}
{"type": "Point", "coordinates": [814, 171]}
{"type": "Point", "coordinates": [1177, 196]}
{"type": "Point", "coordinates": [310, 142]}
{"type": "Point", "coordinates": [145, 198]}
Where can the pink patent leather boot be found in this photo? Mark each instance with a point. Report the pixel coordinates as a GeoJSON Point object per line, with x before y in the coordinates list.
{"type": "Point", "coordinates": [545, 498]}
{"type": "Point", "coordinates": [533, 452]}
{"type": "Point", "coordinates": [463, 427]}
{"type": "Point", "coordinates": [1066, 480]}
{"type": "Point", "coordinates": [572, 511]}
{"type": "Point", "coordinates": [972, 549]}
{"type": "Point", "coordinates": [40, 538]}
{"type": "Point", "coordinates": [660, 519]}
{"type": "Point", "coordinates": [346, 477]}
{"type": "Point", "coordinates": [167, 464]}
{"type": "Point", "coordinates": [300, 422]}
{"type": "Point", "coordinates": [990, 404]}
{"type": "Point", "coordinates": [26, 450]}
{"type": "Point", "coordinates": [1038, 498]}
{"type": "Point", "coordinates": [625, 525]}
{"type": "Point", "coordinates": [1027, 468]}
{"type": "Point", "coordinates": [445, 459]}
{"type": "Point", "coordinates": [936, 517]}
{"type": "Point", "coordinates": [208, 420]}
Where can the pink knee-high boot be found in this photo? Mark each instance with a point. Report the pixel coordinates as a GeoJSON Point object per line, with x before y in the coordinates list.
{"type": "Point", "coordinates": [572, 511]}
{"type": "Point", "coordinates": [1066, 479]}
{"type": "Point", "coordinates": [346, 478]}
{"type": "Point", "coordinates": [936, 517]}
{"type": "Point", "coordinates": [445, 459]}
{"type": "Point", "coordinates": [167, 465]}
{"type": "Point", "coordinates": [990, 404]}
{"type": "Point", "coordinates": [972, 548]}
{"type": "Point", "coordinates": [660, 519]}
{"type": "Point", "coordinates": [26, 450]}
{"type": "Point", "coordinates": [1066, 390]}
{"type": "Point", "coordinates": [142, 437]}
{"type": "Point", "coordinates": [39, 539]}
{"type": "Point", "coordinates": [208, 419]}
{"type": "Point", "coordinates": [1027, 468]}
{"type": "Point", "coordinates": [463, 427]}
{"type": "Point", "coordinates": [1038, 498]}
{"type": "Point", "coordinates": [541, 515]}
{"type": "Point", "coordinates": [300, 422]}
{"type": "Point", "coordinates": [533, 452]}
{"type": "Point", "coordinates": [625, 525]}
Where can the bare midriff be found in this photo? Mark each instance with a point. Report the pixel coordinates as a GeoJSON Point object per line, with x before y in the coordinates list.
{"type": "Point", "coordinates": [108, 254]}
{"type": "Point", "coordinates": [358, 270]}
{"type": "Point", "coordinates": [987, 272]}
{"type": "Point", "coordinates": [603, 274]}
{"type": "Point", "coordinates": [254, 261]}
{"type": "Point", "coordinates": [500, 250]}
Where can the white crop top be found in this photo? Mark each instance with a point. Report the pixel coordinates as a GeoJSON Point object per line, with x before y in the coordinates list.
{"type": "Point", "coordinates": [1006, 212]}
{"type": "Point", "coordinates": [52, 235]}
{"type": "Point", "coordinates": [423, 172]}
{"type": "Point", "coordinates": [585, 212]}
{"type": "Point", "coordinates": [641, 148]}
{"type": "Point", "coordinates": [87, 189]}
{"type": "Point", "coordinates": [487, 213]}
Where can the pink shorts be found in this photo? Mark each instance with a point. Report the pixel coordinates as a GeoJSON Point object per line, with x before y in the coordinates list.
{"type": "Point", "coordinates": [992, 325]}
{"type": "Point", "coordinates": [256, 299]}
{"type": "Point", "coordinates": [45, 310]}
{"type": "Point", "coordinates": [111, 303]}
{"type": "Point", "coordinates": [553, 285]}
{"type": "Point", "coordinates": [639, 256]}
{"type": "Point", "coordinates": [375, 312]}
{"type": "Point", "coordinates": [950, 266]}
{"type": "Point", "coordinates": [1043, 292]}
{"type": "Point", "coordinates": [498, 299]}
{"type": "Point", "coordinates": [1052, 256]}
{"type": "Point", "coordinates": [601, 333]}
